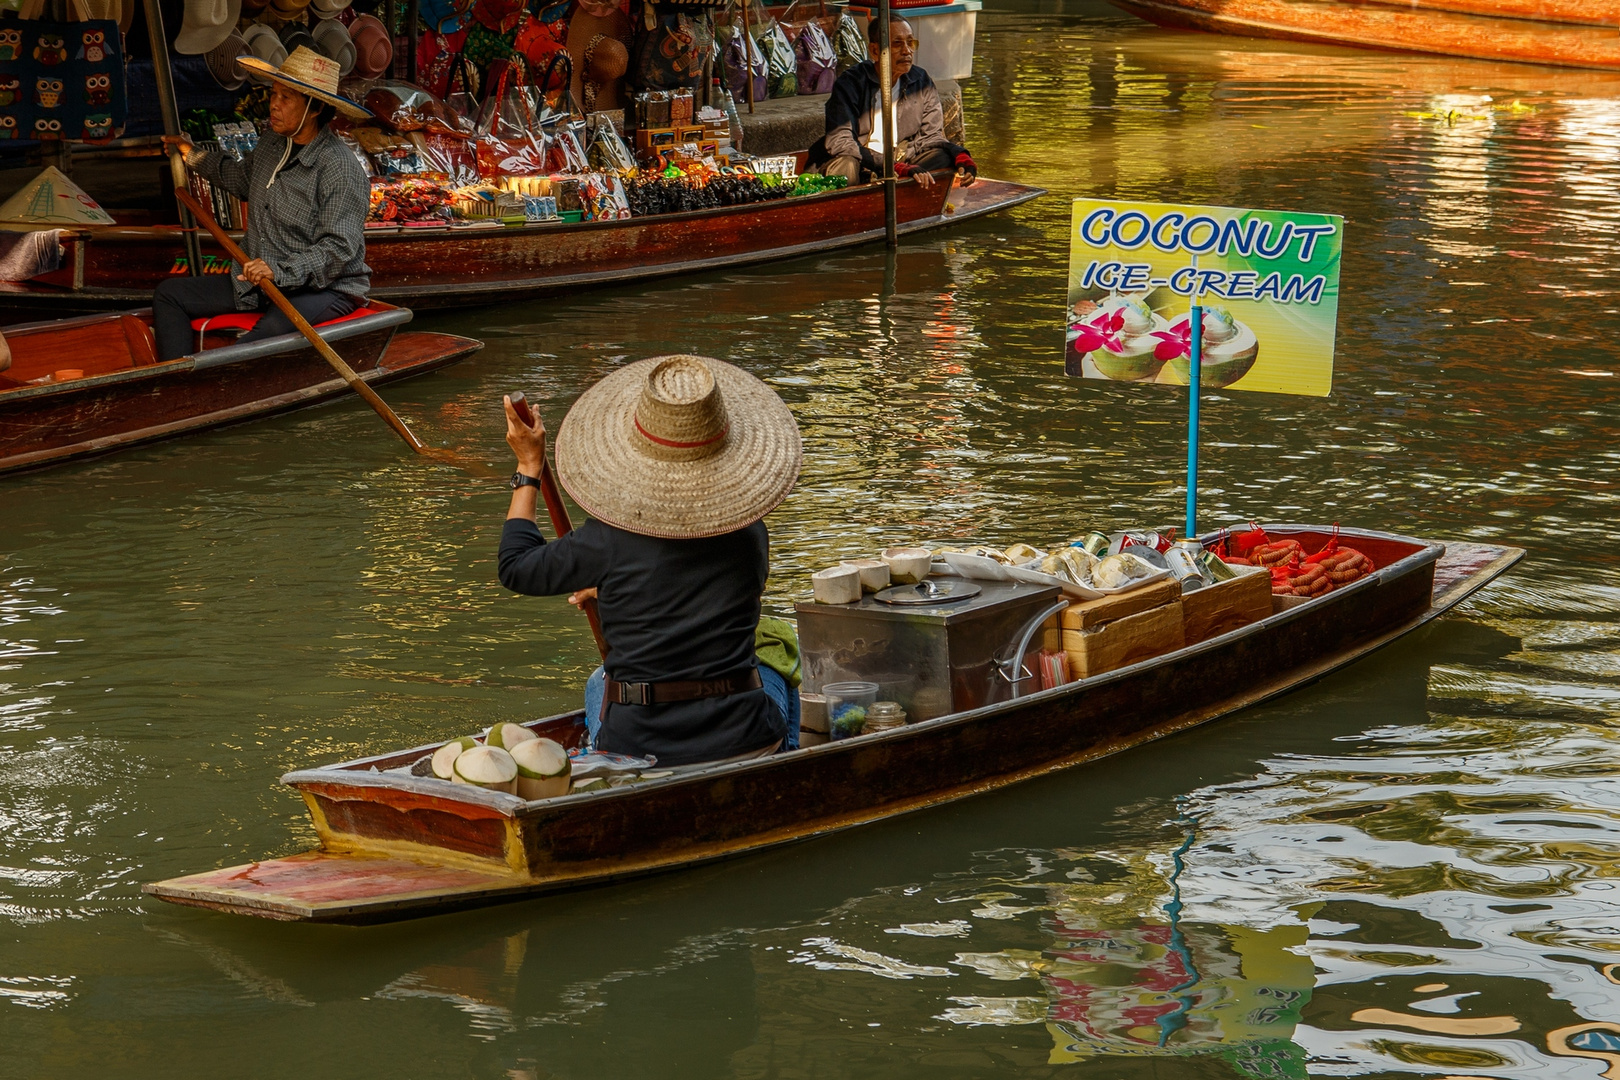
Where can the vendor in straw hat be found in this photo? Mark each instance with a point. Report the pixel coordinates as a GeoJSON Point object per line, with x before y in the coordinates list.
{"type": "Point", "coordinates": [307, 199]}
{"type": "Point", "coordinates": [675, 460]}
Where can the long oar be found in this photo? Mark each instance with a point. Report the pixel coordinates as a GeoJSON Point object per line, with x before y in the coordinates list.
{"type": "Point", "coordinates": [561, 524]}
{"type": "Point", "coordinates": [356, 383]}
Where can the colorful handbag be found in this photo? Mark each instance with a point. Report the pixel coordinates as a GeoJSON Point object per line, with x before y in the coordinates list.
{"type": "Point", "coordinates": [665, 55]}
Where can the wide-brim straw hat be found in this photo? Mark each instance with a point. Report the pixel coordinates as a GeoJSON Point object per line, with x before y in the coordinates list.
{"type": "Point", "coordinates": [205, 24]}
{"type": "Point", "coordinates": [679, 447]}
{"type": "Point", "coordinates": [333, 39]}
{"type": "Point", "coordinates": [222, 63]}
{"type": "Point", "coordinates": [327, 9]}
{"type": "Point", "coordinates": [308, 72]}
{"type": "Point", "coordinates": [373, 46]}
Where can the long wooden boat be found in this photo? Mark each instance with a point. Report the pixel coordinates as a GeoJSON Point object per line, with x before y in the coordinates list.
{"type": "Point", "coordinates": [395, 846]}
{"type": "Point", "coordinates": [118, 394]}
{"type": "Point", "coordinates": [1565, 33]}
{"type": "Point", "coordinates": [114, 267]}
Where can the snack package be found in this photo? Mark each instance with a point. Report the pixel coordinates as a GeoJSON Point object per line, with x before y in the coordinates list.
{"type": "Point", "coordinates": [602, 197]}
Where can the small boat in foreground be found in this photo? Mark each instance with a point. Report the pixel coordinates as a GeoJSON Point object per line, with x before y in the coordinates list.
{"type": "Point", "coordinates": [93, 384]}
{"type": "Point", "coordinates": [395, 845]}
{"type": "Point", "coordinates": [109, 267]}
{"type": "Point", "coordinates": [1565, 33]}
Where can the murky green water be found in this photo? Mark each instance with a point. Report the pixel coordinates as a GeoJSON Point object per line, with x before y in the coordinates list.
{"type": "Point", "coordinates": [1408, 869]}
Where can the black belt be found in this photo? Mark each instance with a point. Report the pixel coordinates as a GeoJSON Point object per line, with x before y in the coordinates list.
{"type": "Point", "coordinates": [663, 693]}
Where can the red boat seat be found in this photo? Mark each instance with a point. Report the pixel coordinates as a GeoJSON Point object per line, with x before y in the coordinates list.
{"type": "Point", "coordinates": [243, 321]}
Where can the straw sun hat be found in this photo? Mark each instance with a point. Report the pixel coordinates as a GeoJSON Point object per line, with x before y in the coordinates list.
{"type": "Point", "coordinates": [308, 72]}
{"type": "Point", "coordinates": [679, 447]}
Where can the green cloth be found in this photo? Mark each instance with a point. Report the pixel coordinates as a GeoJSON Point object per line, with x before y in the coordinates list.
{"type": "Point", "coordinates": [776, 644]}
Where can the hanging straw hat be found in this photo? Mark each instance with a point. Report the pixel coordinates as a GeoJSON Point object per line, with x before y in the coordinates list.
{"type": "Point", "coordinates": [333, 39]}
{"type": "Point", "coordinates": [205, 24]}
{"type": "Point", "coordinates": [679, 447]}
{"type": "Point", "coordinates": [327, 9]}
{"type": "Point", "coordinates": [222, 65]}
{"type": "Point", "coordinates": [263, 43]}
{"type": "Point", "coordinates": [373, 46]}
{"type": "Point", "coordinates": [308, 72]}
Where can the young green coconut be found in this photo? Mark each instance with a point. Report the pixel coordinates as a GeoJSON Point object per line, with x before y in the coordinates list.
{"type": "Point", "coordinates": [444, 758]}
{"type": "Point", "coordinates": [543, 769]}
{"type": "Point", "coordinates": [508, 736]}
{"type": "Point", "coordinates": [487, 767]}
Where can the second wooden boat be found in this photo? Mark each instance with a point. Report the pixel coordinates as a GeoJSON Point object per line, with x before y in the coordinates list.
{"type": "Point", "coordinates": [1566, 33]}
{"type": "Point", "coordinates": [394, 845]}
{"type": "Point", "coordinates": [118, 394]}
{"type": "Point", "coordinates": [113, 267]}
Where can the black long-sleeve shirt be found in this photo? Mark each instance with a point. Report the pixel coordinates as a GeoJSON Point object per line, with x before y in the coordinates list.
{"type": "Point", "coordinates": [672, 611]}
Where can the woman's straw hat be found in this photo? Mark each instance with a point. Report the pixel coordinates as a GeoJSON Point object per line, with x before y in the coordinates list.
{"type": "Point", "coordinates": [679, 447]}
{"type": "Point", "coordinates": [308, 72]}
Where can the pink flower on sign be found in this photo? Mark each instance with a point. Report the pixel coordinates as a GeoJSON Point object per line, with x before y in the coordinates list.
{"type": "Point", "coordinates": [1174, 342]}
{"type": "Point", "coordinates": [1100, 333]}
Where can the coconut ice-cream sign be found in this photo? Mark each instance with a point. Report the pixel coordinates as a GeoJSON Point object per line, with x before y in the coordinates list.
{"type": "Point", "coordinates": [1265, 285]}
{"type": "Point", "coordinates": [1203, 296]}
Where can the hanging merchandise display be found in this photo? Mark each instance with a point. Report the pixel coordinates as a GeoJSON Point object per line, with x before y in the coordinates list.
{"type": "Point", "coordinates": [442, 16]}
{"type": "Point", "coordinates": [263, 43]}
{"type": "Point", "coordinates": [744, 60]}
{"type": "Point", "coordinates": [332, 40]}
{"type": "Point", "coordinates": [600, 48]}
{"type": "Point", "coordinates": [205, 24]}
{"type": "Point", "coordinates": [666, 53]}
{"type": "Point", "coordinates": [818, 62]}
{"type": "Point", "coordinates": [373, 46]}
{"type": "Point", "coordinates": [222, 65]}
{"type": "Point", "coordinates": [65, 81]}
{"type": "Point", "coordinates": [849, 42]}
{"type": "Point", "coordinates": [781, 65]}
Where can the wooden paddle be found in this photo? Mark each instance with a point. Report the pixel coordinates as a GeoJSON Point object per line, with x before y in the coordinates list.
{"type": "Point", "coordinates": [561, 524]}
{"type": "Point", "coordinates": [356, 383]}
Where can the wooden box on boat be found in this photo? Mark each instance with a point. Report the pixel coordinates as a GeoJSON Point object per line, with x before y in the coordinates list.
{"type": "Point", "coordinates": [1090, 614]}
{"type": "Point", "coordinates": [395, 846]}
{"type": "Point", "coordinates": [1226, 605]}
{"type": "Point", "coordinates": [1120, 642]}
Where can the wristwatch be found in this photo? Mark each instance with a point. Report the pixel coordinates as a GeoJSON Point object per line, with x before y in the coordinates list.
{"type": "Point", "coordinates": [519, 480]}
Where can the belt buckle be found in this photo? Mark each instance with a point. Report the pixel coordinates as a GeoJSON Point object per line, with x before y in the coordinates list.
{"type": "Point", "coordinates": [633, 694]}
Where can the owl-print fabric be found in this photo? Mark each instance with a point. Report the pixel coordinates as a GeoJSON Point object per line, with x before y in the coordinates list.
{"type": "Point", "coordinates": [61, 80]}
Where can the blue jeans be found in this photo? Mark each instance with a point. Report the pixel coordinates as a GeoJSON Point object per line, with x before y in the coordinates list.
{"type": "Point", "coordinates": [784, 696]}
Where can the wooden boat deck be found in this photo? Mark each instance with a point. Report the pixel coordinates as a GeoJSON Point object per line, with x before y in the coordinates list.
{"type": "Point", "coordinates": [394, 847]}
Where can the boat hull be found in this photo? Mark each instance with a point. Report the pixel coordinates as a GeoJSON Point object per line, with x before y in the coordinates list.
{"type": "Point", "coordinates": [395, 846]}
{"type": "Point", "coordinates": [112, 267]}
{"type": "Point", "coordinates": [126, 399]}
{"type": "Point", "coordinates": [1471, 29]}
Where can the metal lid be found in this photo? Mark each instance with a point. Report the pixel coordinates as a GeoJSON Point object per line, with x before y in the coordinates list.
{"type": "Point", "coordinates": [929, 591]}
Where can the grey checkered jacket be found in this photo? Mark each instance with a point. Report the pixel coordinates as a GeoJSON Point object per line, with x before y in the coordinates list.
{"type": "Point", "coordinates": [310, 225]}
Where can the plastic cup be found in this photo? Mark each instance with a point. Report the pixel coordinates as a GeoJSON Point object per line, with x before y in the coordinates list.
{"type": "Point", "coordinates": [847, 703]}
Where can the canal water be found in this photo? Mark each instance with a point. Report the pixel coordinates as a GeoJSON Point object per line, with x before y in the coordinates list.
{"type": "Point", "coordinates": [1407, 869]}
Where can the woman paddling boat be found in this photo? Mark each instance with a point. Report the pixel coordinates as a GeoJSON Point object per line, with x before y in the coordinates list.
{"type": "Point", "coordinates": [676, 459]}
{"type": "Point", "coordinates": [307, 199]}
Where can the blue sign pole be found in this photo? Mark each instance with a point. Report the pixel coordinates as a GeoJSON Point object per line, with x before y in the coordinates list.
{"type": "Point", "coordinates": [1195, 358]}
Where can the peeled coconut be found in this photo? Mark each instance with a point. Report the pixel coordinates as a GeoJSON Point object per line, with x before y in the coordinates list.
{"type": "Point", "coordinates": [487, 767]}
{"type": "Point", "coordinates": [543, 769]}
{"type": "Point", "coordinates": [444, 758]}
{"type": "Point", "coordinates": [506, 736]}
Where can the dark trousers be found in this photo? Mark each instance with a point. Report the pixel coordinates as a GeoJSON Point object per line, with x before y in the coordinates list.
{"type": "Point", "coordinates": [178, 300]}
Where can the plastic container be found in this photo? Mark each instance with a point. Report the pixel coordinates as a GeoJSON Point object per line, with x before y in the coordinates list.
{"type": "Point", "coordinates": [847, 703]}
{"type": "Point", "coordinates": [571, 215]}
{"type": "Point", "coordinates": [67, 374]}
